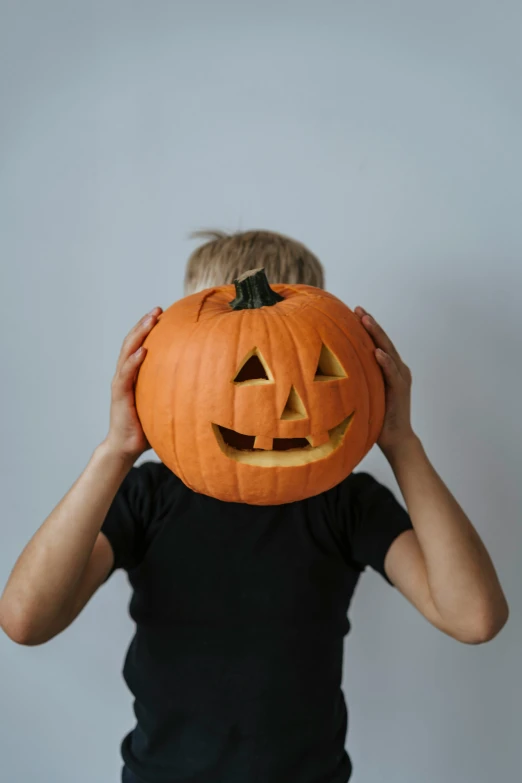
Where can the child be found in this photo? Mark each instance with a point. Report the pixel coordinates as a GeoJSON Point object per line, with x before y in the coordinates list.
{"type": "Point", "coordinates": [241, 611]}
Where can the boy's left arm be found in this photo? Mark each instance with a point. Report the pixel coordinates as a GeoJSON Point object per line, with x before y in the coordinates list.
{"type": "Point", "coordinates": [441, 566]}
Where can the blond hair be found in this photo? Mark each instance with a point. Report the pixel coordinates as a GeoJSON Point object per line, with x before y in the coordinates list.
{"type": "Point", "coordinates": [226, 256]}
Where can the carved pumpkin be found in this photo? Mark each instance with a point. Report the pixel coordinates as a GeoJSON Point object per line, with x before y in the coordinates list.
{"type": "Point", "coordinates": [260, 395]}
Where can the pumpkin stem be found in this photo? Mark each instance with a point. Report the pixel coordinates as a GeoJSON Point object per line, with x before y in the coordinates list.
{"type": "Point", "coordinates": [253, 291]}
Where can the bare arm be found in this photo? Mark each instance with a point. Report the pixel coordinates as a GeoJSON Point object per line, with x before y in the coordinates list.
{"type": "Point", "coordinates": [453, 571]}
{"type": "Point", "coordinates": [441, 566]}
{"type": "Point", "coordinates": [68, 558]}
{"type": "Point", "coordinates": [44, 582]}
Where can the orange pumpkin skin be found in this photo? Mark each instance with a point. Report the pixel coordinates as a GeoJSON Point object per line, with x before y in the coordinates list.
{"type": "Point", "coordinates": [186, 393]}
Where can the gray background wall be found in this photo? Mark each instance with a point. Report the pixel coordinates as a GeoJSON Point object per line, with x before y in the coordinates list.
{"type": "Point", "coordinates": [386, 136]}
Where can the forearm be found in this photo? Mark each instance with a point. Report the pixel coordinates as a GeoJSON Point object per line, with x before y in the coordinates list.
{"type": "Point", "coordinates": [43, 581]}
{"type": "Point", "coordinates": [462, 579]}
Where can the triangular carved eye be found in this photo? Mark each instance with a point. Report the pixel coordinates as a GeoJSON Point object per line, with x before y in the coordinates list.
{"type": "Point", "coordinates": [253, 370]}
{"type": "Point", "coordinates": [329, 368]}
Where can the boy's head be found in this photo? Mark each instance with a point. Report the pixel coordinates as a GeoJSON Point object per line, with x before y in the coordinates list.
{"type": "Point", "coordinates": [226, 256]}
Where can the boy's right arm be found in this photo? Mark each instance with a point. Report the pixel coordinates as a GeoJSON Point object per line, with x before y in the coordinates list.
{"type": "Point", "coordinates": [68, 557]}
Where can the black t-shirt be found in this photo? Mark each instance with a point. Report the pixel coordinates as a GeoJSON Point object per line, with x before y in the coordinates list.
{"type": "Point", "coordinates": [240, 613]}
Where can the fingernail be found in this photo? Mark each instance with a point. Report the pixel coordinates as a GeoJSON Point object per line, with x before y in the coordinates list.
{"type": "Point", "coordinates": [147, 321]}
{"type": "Point", "coordinates": [152, 311]}
{"type": "Point", "coordinates": [370, 319]}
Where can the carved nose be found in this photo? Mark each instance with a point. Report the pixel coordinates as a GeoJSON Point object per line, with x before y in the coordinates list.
{"type": "Point", "coordinates": [294, 408]}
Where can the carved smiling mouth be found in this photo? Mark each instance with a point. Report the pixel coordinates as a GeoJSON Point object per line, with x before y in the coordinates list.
{"type": "Point", "coordinates": [283, 451]}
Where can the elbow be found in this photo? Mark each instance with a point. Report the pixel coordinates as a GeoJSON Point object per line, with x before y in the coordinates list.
{"type": "Point", "coordinates": [487, 627]}
{"type": "Point", "coordinates": [17, 632]}
{"type": "Point", "coordinates": [18, 628]}
{"type": "Point", "coordinates": [22, 635]}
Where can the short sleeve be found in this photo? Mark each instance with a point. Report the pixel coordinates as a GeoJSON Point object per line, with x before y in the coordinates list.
{"type": "Point", "coordinates": [129, 516]}
{"type": "Point", "coordinates": [372, 518]}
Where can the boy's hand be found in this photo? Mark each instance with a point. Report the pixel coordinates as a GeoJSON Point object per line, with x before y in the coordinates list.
{"type": "Point", "coordinates": [126, 436]}
{"type": "Point", "coordinates": [397, 378]}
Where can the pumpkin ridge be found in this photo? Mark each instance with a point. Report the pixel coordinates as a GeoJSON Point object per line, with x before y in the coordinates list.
{"type": "Point", "coordinates": [302, 384]}
{"type": "Point", "coordinates": [206, 295]}
{"type": "Point", "coordinates": [236, 478]}
{"type": "Point", "coordinates": [348, 337]}
{"type": "Point", "coordinates": [306, 401]}
{"type": "Point", "coordinates": [175, 440]}
{"type": "Point", "coordinates": [237, 333]}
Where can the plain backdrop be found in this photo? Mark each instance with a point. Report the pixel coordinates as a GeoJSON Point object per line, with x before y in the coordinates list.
{"type": "Point", "coordinates": [386, 135]}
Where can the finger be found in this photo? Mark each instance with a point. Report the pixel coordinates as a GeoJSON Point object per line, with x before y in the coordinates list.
{"type": "Point", "coordinates": [360, 311]}
{"type": "Point", "coordinates": [137, 334]}
{"type": "Point", "coordinates": [388, 366]}
{"type": "Point", "coordinates": [146, 320]}
{"type": "Point", "coordinates": [380, 338]}
{"type": "Point", "coordinates": [126, 375]}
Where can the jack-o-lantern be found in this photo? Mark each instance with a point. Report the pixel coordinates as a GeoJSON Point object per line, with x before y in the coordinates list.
{"type": "Point", "coordinates": [259, 394]}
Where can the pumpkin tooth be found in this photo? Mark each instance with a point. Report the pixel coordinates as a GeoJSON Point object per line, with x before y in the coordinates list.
{"type": "Point", "coordinates": [318, 438]}
{"type": "Point", "coordinates": [263, 442]}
